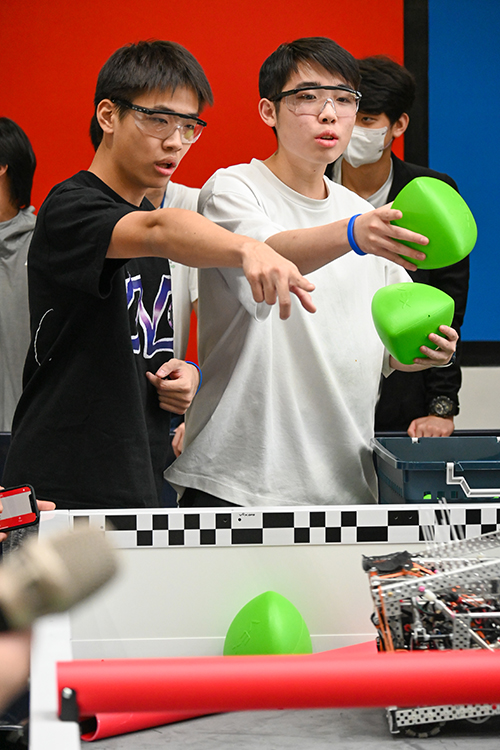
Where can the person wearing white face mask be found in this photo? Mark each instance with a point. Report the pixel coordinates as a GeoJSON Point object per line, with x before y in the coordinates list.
{"type": "Point", "coordinates": [421, 403]}
{"type": "Point", "coordinates": [366, 145]}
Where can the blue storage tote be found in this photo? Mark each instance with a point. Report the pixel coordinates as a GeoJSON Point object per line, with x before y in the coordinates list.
{"type": "Point", "coordinates": [418, 470]}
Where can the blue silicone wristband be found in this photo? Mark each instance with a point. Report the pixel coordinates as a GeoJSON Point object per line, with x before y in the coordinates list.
{"type": "Point", "coordinates": [188, 362]}
{"type": "Point", "coordinates": [350, 236]}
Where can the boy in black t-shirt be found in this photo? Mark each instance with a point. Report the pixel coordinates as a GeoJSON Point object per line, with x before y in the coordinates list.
{"type": "Point", "coordinates": [91, 428]}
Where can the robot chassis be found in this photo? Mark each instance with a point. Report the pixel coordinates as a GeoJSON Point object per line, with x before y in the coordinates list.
{"type": "Point", "coordinates": [446, 598]}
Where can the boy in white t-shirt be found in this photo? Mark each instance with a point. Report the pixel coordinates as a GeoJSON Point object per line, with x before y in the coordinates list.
{"type": "Point", "coordinates": [285, 413]}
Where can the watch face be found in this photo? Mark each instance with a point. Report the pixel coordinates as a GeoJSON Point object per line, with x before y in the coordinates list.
{"type": "Point", "coordinates": [442, 406]}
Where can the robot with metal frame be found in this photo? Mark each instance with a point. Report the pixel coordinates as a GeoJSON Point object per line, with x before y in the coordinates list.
{"type": "Point", "coordinates": [446, 598]}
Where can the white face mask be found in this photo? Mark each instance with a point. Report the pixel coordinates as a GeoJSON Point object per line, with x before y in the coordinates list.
{"type": "Point", "coordinates": [366, 146]}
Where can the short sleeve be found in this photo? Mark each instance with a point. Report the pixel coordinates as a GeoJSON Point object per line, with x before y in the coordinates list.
{"type": "Point", "coordinates": [233, 204]}
{"type": "Point", "coordinates": [73, 234]}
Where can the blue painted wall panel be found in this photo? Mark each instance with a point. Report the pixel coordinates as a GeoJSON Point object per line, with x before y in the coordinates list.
{"type": "Point", "coordinates": [464, 137]}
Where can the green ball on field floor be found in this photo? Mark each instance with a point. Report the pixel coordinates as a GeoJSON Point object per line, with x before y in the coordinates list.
{"type": "Point", "coordinates": [268, 624]}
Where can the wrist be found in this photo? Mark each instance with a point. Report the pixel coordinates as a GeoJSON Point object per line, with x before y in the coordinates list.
{"type": "Point", "coordinates": [200, 376]}
{"type": "Point", "coordinates": [350, 236]}
{"type": "Point", "coordinates": [443, 406]}
{"type": "Point", "coordinates": [245, 250]}
{"type": "Point", "coordinates": [452, 361]}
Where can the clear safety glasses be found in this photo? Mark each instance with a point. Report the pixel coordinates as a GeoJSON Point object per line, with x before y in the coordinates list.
{"type": "Point", "coordinates": [313, 99]}
{"type": "Point", "coordinates": [161, 123]}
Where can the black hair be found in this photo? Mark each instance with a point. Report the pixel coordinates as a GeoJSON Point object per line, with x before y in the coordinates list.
{"type": "Point", "coordinates": [17, 153]}
{"type": "Point", "coordinates": [387, 87]}
{"type": "Point", "coordinates": [318, 50]}
{"type": "Point", "coordinates": [144, 67]}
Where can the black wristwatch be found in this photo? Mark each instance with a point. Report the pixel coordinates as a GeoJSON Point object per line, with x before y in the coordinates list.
{"type": "Point", "coordinates": [442, 406]}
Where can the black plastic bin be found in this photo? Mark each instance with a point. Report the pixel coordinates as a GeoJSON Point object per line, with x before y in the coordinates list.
{"type": "Point", "coordinates": [458, 469]}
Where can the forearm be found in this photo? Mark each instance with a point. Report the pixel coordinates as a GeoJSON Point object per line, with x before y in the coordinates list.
{"type": "Point", "coordinates": [314, 247]}
{"type": "Point", "coordinates": [443, 381]}
{"type": "Point", "coordinates": [180, 235]}
{"type": "Point", "coordinates": [191, 239]}
{"type": "Point", "coordinates": [372, 232]}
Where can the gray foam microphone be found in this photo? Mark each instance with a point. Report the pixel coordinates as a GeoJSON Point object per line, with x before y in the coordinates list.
{"type": "Point", "coordinates": [53, 575]}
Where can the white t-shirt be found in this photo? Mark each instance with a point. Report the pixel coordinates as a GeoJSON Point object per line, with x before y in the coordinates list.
{"type": "Point", "coordinates": [285, 412]}
{"type": "Point", "coordinates": [184, 278]}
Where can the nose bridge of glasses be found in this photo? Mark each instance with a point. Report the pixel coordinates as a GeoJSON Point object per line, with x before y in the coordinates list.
{"type": "Point", "coordinates": [172, 128]}
{"type": "Point", "coordinates": [328, 100]}
{"type": "Point", "coordinates": [175, 132]}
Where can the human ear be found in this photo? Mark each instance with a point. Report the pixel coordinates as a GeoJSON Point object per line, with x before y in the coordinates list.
{"type": "Point", "coordinates": [106, 114]}
{"type": "Point", "coordinates": [400, 125]}
{"type": "Point", "coordinates": [267, 111]}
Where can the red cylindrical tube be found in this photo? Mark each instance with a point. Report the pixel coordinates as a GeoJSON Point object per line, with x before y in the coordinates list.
{"type": "Point", "coordinates": [111, 725]}
{"type": "Point", "coordinates": [236, 683]}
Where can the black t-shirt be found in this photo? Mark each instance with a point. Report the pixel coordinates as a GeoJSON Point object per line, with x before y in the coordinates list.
{"type": "Point", "coordinates": [88, 431]}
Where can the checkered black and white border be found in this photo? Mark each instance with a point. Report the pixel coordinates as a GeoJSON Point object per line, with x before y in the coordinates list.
{"type": "Point", "coordinates": [278, 526]}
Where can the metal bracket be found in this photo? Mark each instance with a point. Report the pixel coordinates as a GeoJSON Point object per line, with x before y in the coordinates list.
{"type": "Point", "coordinates": [69, 705]}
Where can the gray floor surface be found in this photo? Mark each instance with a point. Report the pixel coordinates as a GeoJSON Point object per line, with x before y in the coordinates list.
{"type": "Point", "coordinates": [312, 730]}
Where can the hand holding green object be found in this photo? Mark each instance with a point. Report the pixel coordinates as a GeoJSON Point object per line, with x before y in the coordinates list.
{"type": "Point", "coordinates": [436, 210]}
{"type": "Point", "coordinates": [405, 314]}
{"type": "Point", "coordinates": [268, 624]}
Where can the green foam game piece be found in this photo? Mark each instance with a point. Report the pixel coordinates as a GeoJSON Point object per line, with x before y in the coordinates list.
{"type": "Point", "coordinates": [433, 208]}
{"type": "Point", "coordinates": [268, 624]}
{"type": "Point", "coordinates": [405, 314]}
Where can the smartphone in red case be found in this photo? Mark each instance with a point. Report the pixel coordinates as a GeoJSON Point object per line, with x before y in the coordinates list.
{"type": "Point", "coordinates": [19, 508]}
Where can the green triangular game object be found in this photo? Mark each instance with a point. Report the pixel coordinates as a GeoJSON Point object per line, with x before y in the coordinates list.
{"type": "Point", "coordinates": [405, 314]}
{"type": "Point", "coordinates": [433, 208]}
{"type": "Point", "coordinates": [268, 624]}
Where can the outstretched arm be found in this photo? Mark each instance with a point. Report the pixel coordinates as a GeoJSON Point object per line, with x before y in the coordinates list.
{"type": "Point", "coordinates": [373, 232]}
{"type": "Point", "coordinates": [189, 238]}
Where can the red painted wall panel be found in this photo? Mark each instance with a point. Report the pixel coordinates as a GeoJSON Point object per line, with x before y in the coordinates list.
{"type": "Point", "coordinates": [51, 52]}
